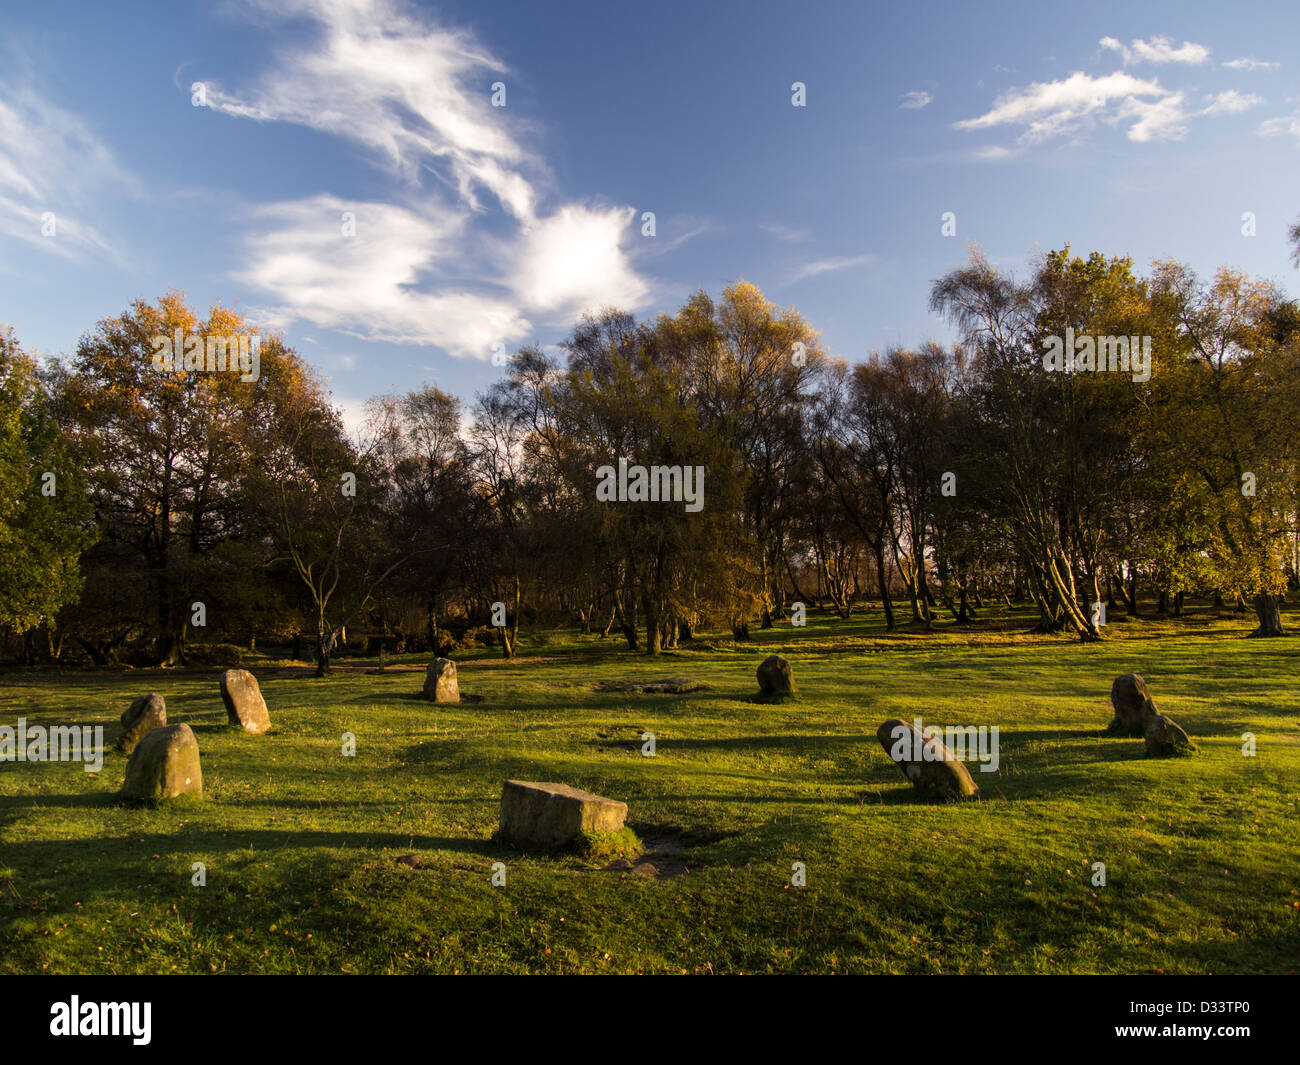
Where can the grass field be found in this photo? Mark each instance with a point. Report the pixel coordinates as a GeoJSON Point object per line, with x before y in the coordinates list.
{"type": "Point", "coordinates": [382, 862]}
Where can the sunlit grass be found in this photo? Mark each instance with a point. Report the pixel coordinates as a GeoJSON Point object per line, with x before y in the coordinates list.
{"type": "Point", "coordinates": [316, 862]}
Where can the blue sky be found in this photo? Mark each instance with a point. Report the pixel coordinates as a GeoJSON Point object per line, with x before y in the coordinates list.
{"type": "Point", "coordinates": [1148, 133]}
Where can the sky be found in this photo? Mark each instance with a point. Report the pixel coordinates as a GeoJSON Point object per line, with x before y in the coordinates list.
{"type": "Point", "coordinates": [404, 189]}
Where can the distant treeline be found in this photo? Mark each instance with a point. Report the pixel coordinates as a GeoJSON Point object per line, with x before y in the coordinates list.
{"type": "Point", "coordinates": [147, 509]}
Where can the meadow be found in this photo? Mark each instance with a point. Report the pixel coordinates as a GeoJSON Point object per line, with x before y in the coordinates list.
{"type": "Point", "coordinates": [382, 863]}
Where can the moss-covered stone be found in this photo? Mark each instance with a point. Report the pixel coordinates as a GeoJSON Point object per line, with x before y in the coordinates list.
{"type": "Point", "coordinates": [245, 706]}
{"type": "Point", "coordinates": [146, 712]}
{"type": "Point", "coordinates": [1165, 738]}
{"type": "Point", "coordinates": [924, 760]}
{"type": "Point", "coordinates": [553, 815]}
{"type": "Point", "coordinates": [594, 845]}
{"type": "Point", "coordinates": [440, 685]}
{"type": "Point", "coordinates": [1133, 705]}
{"type": "Point", "coordinates": [164, 765]}
{"type": "Point", "coordinates": [775, 677]}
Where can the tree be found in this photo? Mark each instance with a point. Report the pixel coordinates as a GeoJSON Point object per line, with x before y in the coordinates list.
{"type": "Point", "coordinates": [424, 465]}
{"type": "Point", "coordinates": [44, 515]}
{"type": "Point", "coordinates": [328, 496]}
{"type": "Point", "coordinates": [1228, 397]}
{"type": "Point", "coordinates": [168, 452]}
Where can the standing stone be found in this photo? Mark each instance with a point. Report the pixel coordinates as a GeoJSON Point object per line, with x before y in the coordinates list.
{"type": "Point", "coordinates": [924, 759]}
{"type": "Point", "coordinates": [1164, 737]}
{"type": "Point", "coordinates": [440, 681]}
{"type": "Point", "coordinates": [775, 676]}
{"type": "Point", "coordinates": [551, 815]}
{"type": "Point", "coordinates": [245, 706]}
{"type": "Point", "coordinates": [145, 713]}
{"type": "Point", "coordinates": [1133, 705]}
{"type": "Point", "coordinates": [163, 765]}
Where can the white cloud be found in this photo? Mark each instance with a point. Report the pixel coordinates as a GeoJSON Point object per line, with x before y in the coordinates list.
{"type": "Point", "coordinates": [915, 100]}
{"type": "Point", "coordinates": [1231, 102]}
{"type": "Point", "coordinates": [446, 268]}
{"type": "Point", "coordinates": [826, 266]}
{"type": "Point", "coordinates": [1251, 63]}
{"type": "Point", "coordinates": [51, 162]}
{"type": "Point", "coordinates": [1050, 109]}
{"type": "Point", "coordinates": [1157, 50]}
{"type": "Point", "coordinates": [575, 257]}
{"type": "Point", "coordinates": [398, 85]}
{"type": "Point", "coordinates": [1149, 111]}
{"type": "Point", "coordinates": [1155, 120]}
{"type": "Point", "coordinates": [1287, 125]}
{"type": "Point", "coordinates": [368, 285]}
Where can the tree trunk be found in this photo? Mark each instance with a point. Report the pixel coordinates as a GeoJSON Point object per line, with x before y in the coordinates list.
{"type": "Point", "coordinates": [653, 629]}
{"type": "Point", "coordinates": [326, 638]}
{"type": "Point", "coordinates": [1269, 612]}
{"type": "Point", "coordinates": [882, 581]}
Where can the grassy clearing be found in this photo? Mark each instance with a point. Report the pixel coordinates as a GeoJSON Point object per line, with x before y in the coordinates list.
{"type": "Point", "coordinates": [382, 862]}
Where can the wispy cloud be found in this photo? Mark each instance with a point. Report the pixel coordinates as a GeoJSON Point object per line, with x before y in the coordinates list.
{"type": "Point", "coordinates": [1147, 110]}
{"type": "Point", "coordinates": [915, 100]}
{"type": "Point", "coordinates": [826, 266]}
{"type": "Point", "coordinates": [1286, 126]}
{"type": "Point", "coordinates": [432, 266]}
{"type": "Point", "coordinates": [52, 171]}
{"type": "Point", "coordinates": [790, 234]}
{"type": "Point", "coordinates": [1051, 109]}
{"type": "Point", "coordinates": [1251, 63]}
{"type": "Point", "coordinates": [382, 76]}
{"type": "Point", "coordinates": [1157, 50]}
{"type": "Point", "coordinates": [1231, 102]}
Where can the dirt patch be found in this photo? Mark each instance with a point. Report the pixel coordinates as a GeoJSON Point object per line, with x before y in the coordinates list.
{"type": "Point", "coordinates": [666, 853]}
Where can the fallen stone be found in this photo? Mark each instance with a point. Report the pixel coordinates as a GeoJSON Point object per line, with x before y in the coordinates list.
{"type": "Point", "coordinates": [924, 760]}
{"type": "Point", "coordinates": [1133, 705]}
{"type": "Point", "coordinates": [146, 712]}
{"type": "Point", "coordinates": [552, 815]}
{"type": "Point", "coordinates": [775, 676]}
{"type": "Point", "coordinates": [1165, 737]}
{"type": "Point", "coordinates": [440, 681]}
{"type": "Point", "coordinates": [163, 765]}
{"type": "Point", "coordinates": [245, 706]}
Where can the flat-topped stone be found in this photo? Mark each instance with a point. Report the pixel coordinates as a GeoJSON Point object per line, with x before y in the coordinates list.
{"type": "Point", "coordinates": [146, 712]}
{"type": "Point", "coordinates": [164, 764]}
{"type": "Point", "coordinates": [245, 706]}
{"type": "Point", "coordinates": [552, 815]}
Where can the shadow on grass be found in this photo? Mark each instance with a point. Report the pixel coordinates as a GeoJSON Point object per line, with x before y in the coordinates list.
{"type": "Point", "coordinates": [906, 795]}
{"type": "Point", "coordinates": [148, 848]}
{"type": "Point", "coordinates": [98, 800]}
{"type": "Point", "coordinates": [789, 742]}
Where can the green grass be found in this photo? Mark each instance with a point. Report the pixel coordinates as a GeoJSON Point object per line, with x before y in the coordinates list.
{"type": "Point", "coordinates": [602, 846]}
{"type": "Point", "coordinates": [383, 862]}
